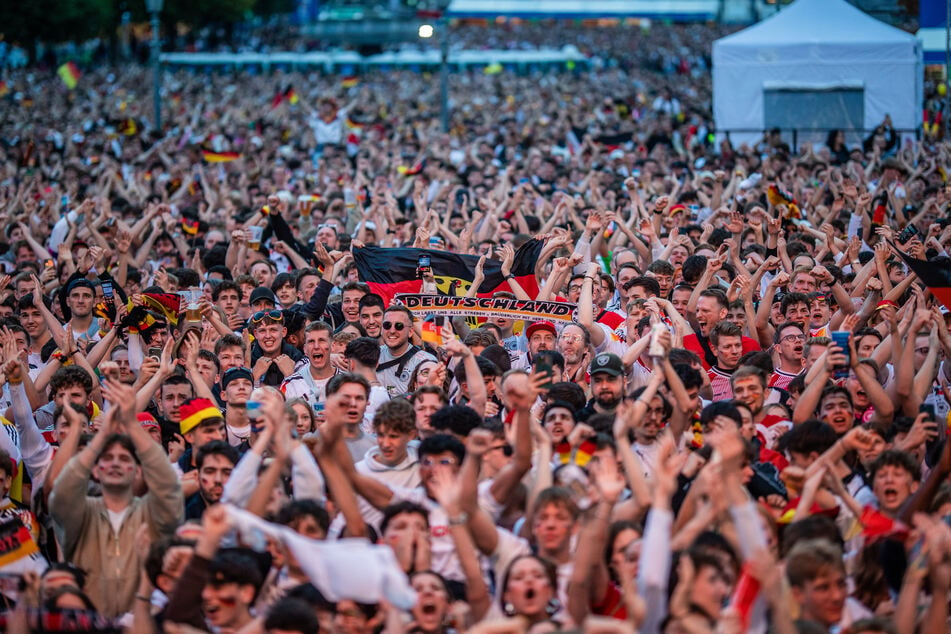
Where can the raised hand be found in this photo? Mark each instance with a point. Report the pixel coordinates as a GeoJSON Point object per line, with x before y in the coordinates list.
{"type": "Point", "coordinates": [478, 442]}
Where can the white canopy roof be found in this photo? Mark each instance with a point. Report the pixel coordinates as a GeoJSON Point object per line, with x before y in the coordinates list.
{"type": "Point", "coordinates": [822, 43]}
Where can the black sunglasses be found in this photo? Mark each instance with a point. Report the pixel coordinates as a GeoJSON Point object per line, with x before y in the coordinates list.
{"type": "Point", "coordinates": [391, 325]}
{"type": "Point", "coordinates": [261, 315]}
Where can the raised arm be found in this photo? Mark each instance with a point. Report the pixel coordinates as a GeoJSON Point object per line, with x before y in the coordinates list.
{"type": "Point", "coordinates": [334, 449]}
{"type": "Point", "coordinates": [520, 394]}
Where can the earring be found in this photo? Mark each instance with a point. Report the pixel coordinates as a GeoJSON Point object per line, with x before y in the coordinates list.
{"type": "Point", "coordinates": [509, 609]}
{"type": "Point", "coordinates": [552, 607]}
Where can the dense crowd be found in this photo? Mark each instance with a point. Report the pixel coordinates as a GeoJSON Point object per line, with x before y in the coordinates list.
{"type": "Point", "coordinates": [217, 418]}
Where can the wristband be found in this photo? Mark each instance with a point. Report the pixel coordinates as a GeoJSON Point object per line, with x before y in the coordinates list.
{"type": "Point", "coordinates": [510, 276]}
{"type": "Point", "coordinates": [459, 520]}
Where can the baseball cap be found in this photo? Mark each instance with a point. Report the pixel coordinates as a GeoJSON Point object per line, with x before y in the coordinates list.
{"type": "Point", "coordinates": [540, 325]}
{"type": "Point", "coordinates": [147, 420]}
{"type": "Point", "coordinates": [262, 293]}
{"type": "Point", "coordinates": [607, 362]}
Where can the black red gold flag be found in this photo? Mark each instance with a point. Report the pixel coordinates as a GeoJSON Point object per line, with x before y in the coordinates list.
{"type": "Point", "coordinates": [393, 271]}
{"type": "Point", "coordinates": [936, 274]}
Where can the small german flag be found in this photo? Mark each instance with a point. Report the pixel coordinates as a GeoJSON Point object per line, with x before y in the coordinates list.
{"type": "Point", "coordinates": [169, 304]}
{"type": "Point", "coordinates": [4, 89]}
{"type": "Point", "coordinates": [190, 226]}
{"type": "Point", "coordinates": [350, 81]}
{"type": "Point", "coordinates": [411, 171]}
{"type": "Point", "coordinates": [431, 331]}
{"type": "Point", "coordinates": [70, 74]}
{"type": "Point", "coordinates": [128, 127]}
{"type": "Point", "coordinates": [290, 95]}
{"type": "Point", "coordinates": [219, 157]}
{"type": "Point", "coordinates": [777, 196]}
{"type": "Point", "coordinates": [936, 274]}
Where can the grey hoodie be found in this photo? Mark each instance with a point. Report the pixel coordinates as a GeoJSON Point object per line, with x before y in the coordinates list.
{"type": "Point", "coordinates": [405, 475]}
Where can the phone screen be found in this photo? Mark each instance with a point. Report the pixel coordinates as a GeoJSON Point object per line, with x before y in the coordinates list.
{"type": "Point", "coordinates": [543, 364]}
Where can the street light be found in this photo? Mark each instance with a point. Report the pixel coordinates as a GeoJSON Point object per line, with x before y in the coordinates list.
{"type": "Point", "coordinates": [438, 9]}
{"type": "Point", "coordinates": [444, 71]}
{"type": "Point", "coordinates": [154, 7]}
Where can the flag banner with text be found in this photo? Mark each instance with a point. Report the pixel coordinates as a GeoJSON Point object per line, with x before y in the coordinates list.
{"type": "Point", "coordinates": [486, 307]}
{"type": "Point", "coordinates": [392, 271]}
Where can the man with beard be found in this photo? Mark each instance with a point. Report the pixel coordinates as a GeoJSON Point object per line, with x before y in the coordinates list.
{"type": "Point", "coordinates": [726, 339]}
{"type": "Point", "coordinates": [711, 310]}
{"type": "Point", "coordinates": [370, 315]}
{"type": "Point", "coordinates": [215, 462]}
{"type": "Point", "coordinates": [541, 336]}
{"type": "Point", "coordinates": [310, 382]}
{"type": "Point", "coordinates": [272, 359]}
{"type": "Point", "coordinates": [789, 342]}
{"type": "Point", "coordinates": [607, 386]}
{"type": "Point", "coordinates": [573, 344]}
{"type": "Point", "coordinates": [398, 357]}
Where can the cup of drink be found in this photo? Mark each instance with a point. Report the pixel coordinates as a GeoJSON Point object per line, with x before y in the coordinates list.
{"type": "Point", "coordinates": [191, 297]}
{"type": "Point", "coordinates": [254, 241]}
{"type": "Point", "coordinates": [306, 204]}
{"type": "Point", "coordinates": [841, 339]}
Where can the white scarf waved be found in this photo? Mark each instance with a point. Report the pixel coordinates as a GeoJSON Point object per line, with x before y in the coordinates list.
{"type": "Point", "coordinates": [344, 569]}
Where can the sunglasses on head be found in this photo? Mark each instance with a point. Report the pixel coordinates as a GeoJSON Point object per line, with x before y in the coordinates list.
{"type": "Point", "coordinates": [261, 315]}
{"type": "Point", "coordinates": [393, 325]}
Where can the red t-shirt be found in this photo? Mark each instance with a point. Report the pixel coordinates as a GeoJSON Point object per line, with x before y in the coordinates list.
{"type": "Point", "coordinates": [692, 343]}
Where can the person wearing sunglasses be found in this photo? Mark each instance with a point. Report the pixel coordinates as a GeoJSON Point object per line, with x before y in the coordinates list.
{"type": "Point", "coordinates": [398, 357]}
{"type": "Point", "coordinates": [272, 358]}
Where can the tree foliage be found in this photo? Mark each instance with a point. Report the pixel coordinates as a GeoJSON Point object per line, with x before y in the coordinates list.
{"type": "Point", "coordinates": [78, 20]}
{"type": "Point", "coordinates": [55, 20]}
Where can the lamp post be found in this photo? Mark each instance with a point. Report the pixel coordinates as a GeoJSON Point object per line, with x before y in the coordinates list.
{"type": "Point", "coordinates": [154, 7]}
{"type": "Point", "coordinates": [444, 71]}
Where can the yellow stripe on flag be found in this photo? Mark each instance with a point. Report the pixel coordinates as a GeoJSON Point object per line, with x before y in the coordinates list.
{"type": "Point", "coordinates": [69, 73]}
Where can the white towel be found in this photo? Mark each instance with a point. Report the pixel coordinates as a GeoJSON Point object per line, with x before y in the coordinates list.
{"type": "Point", "coordinates": [345, 569]}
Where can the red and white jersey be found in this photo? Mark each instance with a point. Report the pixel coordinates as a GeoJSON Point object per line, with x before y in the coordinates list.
{"type": "Point", "coordinates": [781, 379]}
{"type": "Point", "coordinates": [720, 383]}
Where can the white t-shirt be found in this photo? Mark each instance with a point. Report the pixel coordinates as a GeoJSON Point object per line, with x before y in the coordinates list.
{"type": "Point", "coordinates": [303, 385]}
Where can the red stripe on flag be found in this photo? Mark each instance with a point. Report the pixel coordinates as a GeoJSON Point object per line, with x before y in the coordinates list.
{"type": "Point", "coordinates": [388, 291]}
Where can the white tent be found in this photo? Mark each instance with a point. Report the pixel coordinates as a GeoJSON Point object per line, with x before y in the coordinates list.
{"type": "Point", "coordinates": [818, 64]}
